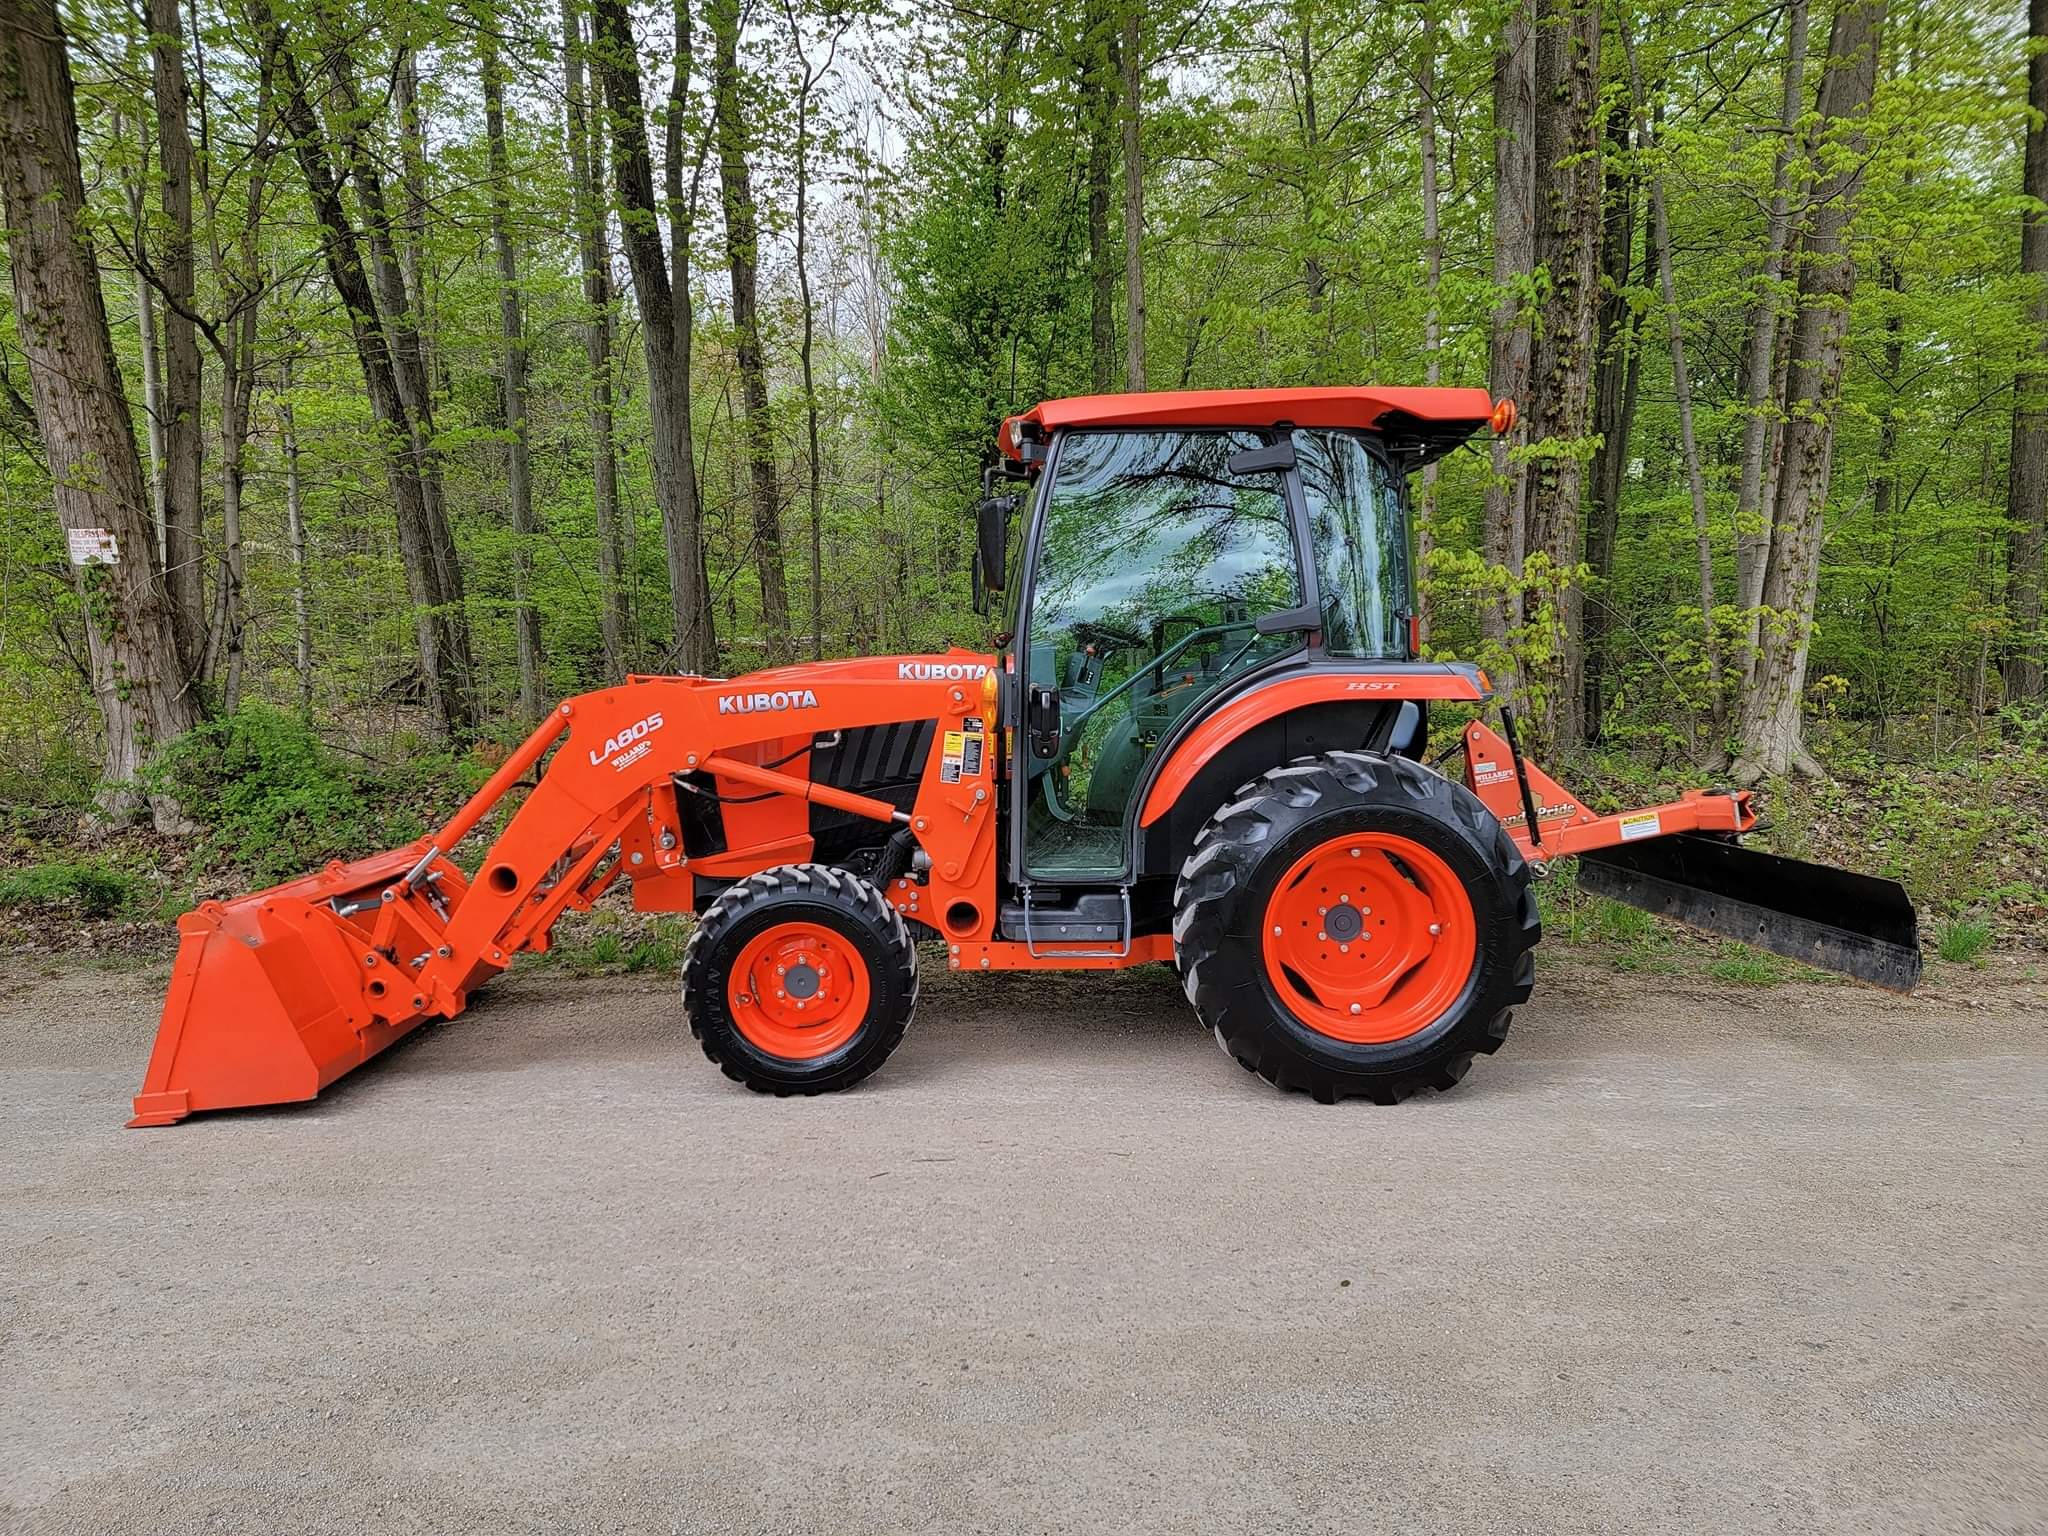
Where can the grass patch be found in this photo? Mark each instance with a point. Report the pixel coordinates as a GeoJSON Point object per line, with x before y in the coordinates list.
{"type": "Point", "coordinates": [612, 952]}
{"type": "Point", "coordinates": [1745, 967]}
{"type": "Point", "coordinates": [1963, 940]}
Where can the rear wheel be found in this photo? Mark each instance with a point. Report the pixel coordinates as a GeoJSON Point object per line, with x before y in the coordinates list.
{"type": "Point", "coordinates": [1355, 926]}
{"type": "Point", "coordinates": [800, 980]}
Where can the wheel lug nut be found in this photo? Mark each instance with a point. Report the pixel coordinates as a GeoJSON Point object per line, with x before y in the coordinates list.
{"type": "Point", "coordinates": [1322, 911]}
{"type": "Point", "coordinates": [1277, 930]}
{"type": "Point", "coordinates": [1343, 949]}
{"type": "Point", "coordinates": [1354, 853]}
{"type": "Point", "coordinates": [1322, 938]}
{"type": "Point", "coordinates": [1356, 1009]}
{"type": "Point", "coordinates": [1435, 929]}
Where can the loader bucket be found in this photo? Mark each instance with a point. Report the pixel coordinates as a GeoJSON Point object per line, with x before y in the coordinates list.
{"type": "Point", "coordinates": [1830, 918]}
{"type": "Point", "coordinates": [275, 995]}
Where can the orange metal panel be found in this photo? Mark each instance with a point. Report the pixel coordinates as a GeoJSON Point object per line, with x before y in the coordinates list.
{"type": "Point", "coordinates": [1568, 827]}
{"type": "Point", "coordinates": [1262, 704]}
{"type": "Point", "coordinates": [1360, 408]}
{"type": "Point", "coordinates": [1002, 955]}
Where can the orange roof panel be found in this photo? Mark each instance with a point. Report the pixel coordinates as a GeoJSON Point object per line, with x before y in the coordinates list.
{"type": "Point", "coordinates": [1357, 407]}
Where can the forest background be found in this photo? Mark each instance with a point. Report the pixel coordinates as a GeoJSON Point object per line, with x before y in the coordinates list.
{"type": "Point", "coordinates": [430, 360]}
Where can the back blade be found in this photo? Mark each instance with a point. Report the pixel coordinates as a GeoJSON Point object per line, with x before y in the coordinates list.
{"type": "Point", "coordinates": [1830, 918]}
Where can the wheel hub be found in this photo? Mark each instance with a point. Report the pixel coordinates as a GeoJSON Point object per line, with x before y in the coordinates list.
{"type": "Point", "coordinates": [798, 991]}
{"type": "Point", "coordinates": [1369, 938]}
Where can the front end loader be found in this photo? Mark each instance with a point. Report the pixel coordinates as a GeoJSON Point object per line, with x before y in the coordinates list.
{"type": "Point", "coordinates": [1197, 740]}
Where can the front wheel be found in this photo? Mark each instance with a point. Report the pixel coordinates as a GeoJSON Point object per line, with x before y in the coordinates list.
{"type": "Point", "coordinates": [1355, 926]}
{"type": "Point", "coordinates": [800, 980]}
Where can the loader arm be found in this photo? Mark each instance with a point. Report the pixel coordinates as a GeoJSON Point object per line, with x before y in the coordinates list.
{"type": "Point", "coordinates": [276, 994]}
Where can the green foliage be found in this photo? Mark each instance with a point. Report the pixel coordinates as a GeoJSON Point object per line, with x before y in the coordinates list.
{"type": "Point", "coordinates": [1745, 967]}
{"type": "Point", "coordinates": [276, 801]}
{"type": "Point", "coordinates": [88, 889]}
{"type": "Point", "coordinates": [1963, 940]}
{"type": "Point", "coordinates": [614, 950]}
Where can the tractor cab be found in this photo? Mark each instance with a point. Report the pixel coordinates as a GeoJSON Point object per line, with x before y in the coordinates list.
{"type": "Point", "coordinates": [1179, 549]}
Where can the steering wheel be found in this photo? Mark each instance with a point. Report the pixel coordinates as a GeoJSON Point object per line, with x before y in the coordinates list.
{"type": "Point", "coordinates": [1089, 632]}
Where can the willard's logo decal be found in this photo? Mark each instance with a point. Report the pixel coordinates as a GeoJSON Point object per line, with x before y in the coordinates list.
{"type": "Point", "coordinates": [750, 703]}
{"type": "Point", "coordinates": [633, 736]}
{"type": "Point", "coordinates": [940, 671]}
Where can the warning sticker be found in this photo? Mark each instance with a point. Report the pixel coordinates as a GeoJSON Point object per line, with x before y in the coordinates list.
{"type": "Point", "coordinates": [1643, 824]}
{"type": "Point", "coordinates": [955, 741]}
{"type": "Point", "coordinates": [951, 751]}
{"type": "Point", "coordinates": [973, 725]}
{"type": "Point", "coordinates": [93, 546]}
{"type": "Point", "coordinates": [970, 760]}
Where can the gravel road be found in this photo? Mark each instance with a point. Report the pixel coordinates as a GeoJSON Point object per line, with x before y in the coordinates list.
{"type": "Point", "coordinates": [1679, 1259]}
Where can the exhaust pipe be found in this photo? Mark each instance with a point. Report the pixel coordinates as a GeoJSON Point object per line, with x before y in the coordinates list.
{"type": "Point", "coordinates": [1832, 919]}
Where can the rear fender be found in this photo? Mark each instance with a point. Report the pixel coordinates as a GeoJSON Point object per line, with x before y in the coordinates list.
{"type": "Point", "coordinates": [1276, 722]}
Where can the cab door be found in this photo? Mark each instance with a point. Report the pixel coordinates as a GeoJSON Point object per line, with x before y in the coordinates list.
{"type": "Point", "coordinates": [1152, 565]}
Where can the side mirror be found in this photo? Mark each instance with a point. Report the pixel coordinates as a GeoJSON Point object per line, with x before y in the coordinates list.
{"type": "Point", "coordinates": [992, 537]}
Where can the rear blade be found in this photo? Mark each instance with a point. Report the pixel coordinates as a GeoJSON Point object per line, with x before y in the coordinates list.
{"type": "Point", "coordinates": [1830, 918]}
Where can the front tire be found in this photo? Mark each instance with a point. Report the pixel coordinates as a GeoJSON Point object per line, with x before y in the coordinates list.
{"type": "Point", "coordinates": [1355, 926]}
{"type": "Point", "coordinates": [799, 980]}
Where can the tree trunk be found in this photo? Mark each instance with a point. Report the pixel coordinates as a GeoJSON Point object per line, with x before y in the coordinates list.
{"type": "Point", "coordinates": [697, 637]}
{"type": "Point", "coordinates": [138, 678]}
{"type": "Point", "coordinates": [185, 558]}
{"type": "Point", "coordinates": [617, 61]}
{"type": "Point", "coordinates": [295, 541]}
{"type": "Point", "coordinates": [742, 248]}
{"type": "Point", "coordinates": [518, 482]}
{"type": "Point", "coordinates": [1772, 727]}
{"type": "Point", "coordinates": [242, 286]}
{"type": "Point", "coordinates": [438, 629]}
{"type": "Point", "coordinates": [1617, 371]}
{"type": "Point", "coordinates": [406, 355]}
{"type": "Point", "coordinates": [593, 249]}
{"type": "Point", "coordinates": [1505, 537]}
{"type": "Point", "coordinates": [1568, 225]}
{"type": "Point", "coordinates": [2027, 490]}
{"type": "Point", "coordinates": [146, 333]}
{"type": "Point", "coordinates": [410, 235]}
{"type": "Point", "coordinates": [1134, 195]}
{"type": "Point", "coordinates": [1432, 320]}
{"type": "Point", "coordinates": [1098, 108]}
{"type": "Point", "coordinates": [1760, 362]}
{"type": "Point", "coordinates": [1681, 386]}
{"type": "Point", "coordinates": [806, 85]}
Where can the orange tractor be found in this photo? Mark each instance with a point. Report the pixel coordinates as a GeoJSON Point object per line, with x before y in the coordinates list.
{"type": "Point", "coordinates": [1198, 742]}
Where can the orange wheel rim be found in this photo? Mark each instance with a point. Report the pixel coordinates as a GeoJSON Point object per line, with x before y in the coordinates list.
{"type": "Point", "coordinates": [1369, 938]}
{"type": "Point", "coordinates": [799, 991]}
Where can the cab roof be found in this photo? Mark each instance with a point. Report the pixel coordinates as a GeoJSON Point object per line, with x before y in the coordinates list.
{"type": "Point", "coordinates": [1455, 413]}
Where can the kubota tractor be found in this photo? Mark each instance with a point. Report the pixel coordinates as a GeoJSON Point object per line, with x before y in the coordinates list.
{"type": "Point", "coordinates": [1198, 742]}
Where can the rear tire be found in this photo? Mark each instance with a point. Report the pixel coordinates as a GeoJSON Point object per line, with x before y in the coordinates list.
{"type": "Point", "coordinates": [1423, 887]}
{"type": "Point", "coordinates": [799, 980]}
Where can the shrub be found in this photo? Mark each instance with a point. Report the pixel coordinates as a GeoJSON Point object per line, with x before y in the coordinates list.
{"type": "Point", "coordinates": [276, 800]}
{"type": "Point", "coordinates": [85, 889]}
